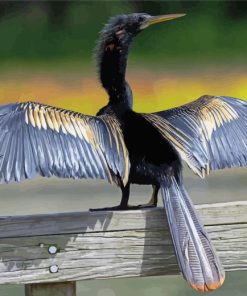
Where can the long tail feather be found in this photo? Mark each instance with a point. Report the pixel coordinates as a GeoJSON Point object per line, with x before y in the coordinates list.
{"type": "Point", "coordinates": [195, 253]}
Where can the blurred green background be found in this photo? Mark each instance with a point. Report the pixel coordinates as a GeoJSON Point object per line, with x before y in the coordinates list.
{"type": "Point", "coordinates": [46, 52]}
{"type": "Point", "coordinates": [65, 31]}
{"type": "Point", "coordinates": [46, 55]}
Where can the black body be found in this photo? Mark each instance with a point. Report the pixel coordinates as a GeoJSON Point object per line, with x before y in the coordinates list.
{"type": "Point", "coordinates": [151, 156]}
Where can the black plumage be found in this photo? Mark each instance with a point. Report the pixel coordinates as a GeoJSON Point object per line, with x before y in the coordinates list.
{"type": "Point", "coordinates": [126, 147]}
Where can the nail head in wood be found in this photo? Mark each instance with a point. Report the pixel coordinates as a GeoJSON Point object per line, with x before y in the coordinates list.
{"type": "Point", "coordinates": [52, 250]}
{"type": "Point", "coordinates": [53, 268]}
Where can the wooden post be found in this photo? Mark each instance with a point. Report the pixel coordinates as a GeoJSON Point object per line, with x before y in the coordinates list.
{"type": "Point", "coordinates": [51, 289]}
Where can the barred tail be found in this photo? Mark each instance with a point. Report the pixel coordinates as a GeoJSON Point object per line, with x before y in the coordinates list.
{"type": "Point", "coordinates": [195, 253]}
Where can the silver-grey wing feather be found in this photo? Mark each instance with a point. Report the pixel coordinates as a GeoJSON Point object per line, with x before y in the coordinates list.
{"type": "Point", "coordinates": [209, 133]}
{"type": "Point", "coordinates": [37, 139]}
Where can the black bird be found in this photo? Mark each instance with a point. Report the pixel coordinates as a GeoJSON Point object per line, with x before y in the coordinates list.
{"type": "Point", "coordinates": [126, 147]}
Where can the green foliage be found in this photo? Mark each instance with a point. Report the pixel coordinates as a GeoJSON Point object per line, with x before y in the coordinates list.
{"type": "Point", "coordinates": [66, 31]}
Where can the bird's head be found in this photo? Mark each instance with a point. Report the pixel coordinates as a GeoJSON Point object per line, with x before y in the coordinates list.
{"type": "Point", "coordinates": [114, 42]}
{"type": "Point", "coordinates": [134, 23]}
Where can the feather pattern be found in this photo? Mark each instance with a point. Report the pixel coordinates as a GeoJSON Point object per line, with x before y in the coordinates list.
{"type": "Point", "coordinates": [195, 253]}
{"type": "Point", "coordinates": [209, 133]}
{"type": "Point", "coordinates": [37, 139]}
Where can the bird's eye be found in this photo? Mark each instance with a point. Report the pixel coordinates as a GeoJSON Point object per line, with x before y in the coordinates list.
{"type": "Point", "coordinates": [141, 19]}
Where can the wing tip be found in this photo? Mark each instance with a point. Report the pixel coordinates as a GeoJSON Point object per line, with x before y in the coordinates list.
{"type": "Point", "coordinates": [210, 286]}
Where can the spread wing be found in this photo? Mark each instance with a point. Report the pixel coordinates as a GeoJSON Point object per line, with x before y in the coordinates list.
{"type": "Point", "coordinates": [37, 139]}
{"type": "Point", "coordinates": [209, 133]}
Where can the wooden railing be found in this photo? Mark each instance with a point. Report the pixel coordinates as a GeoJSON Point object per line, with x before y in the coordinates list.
{"type": "Point", "coordinates": [49, 253]}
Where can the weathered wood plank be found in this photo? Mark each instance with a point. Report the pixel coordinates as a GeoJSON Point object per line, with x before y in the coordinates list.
{"type": "Point", "coordinates": [140, 245]}
{"type": "Point", "coordinates": [223, 213]}
{"type": "Point", "coordinates": [81, 222]}
{"type": "Point", "coordinates": [54, 289]}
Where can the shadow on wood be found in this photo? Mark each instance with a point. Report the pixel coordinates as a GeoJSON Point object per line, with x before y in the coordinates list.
{"type": "Point", "coordinates": [158, 253]}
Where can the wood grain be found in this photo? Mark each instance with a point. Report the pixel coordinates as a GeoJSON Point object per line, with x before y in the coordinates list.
{"type": "Point", "coordinates": [110, 244]}
{"type": "Point", "coordinates": [54, 289]}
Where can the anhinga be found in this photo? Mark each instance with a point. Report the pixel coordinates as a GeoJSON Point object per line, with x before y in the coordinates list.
{"type": "Point", "coordinates": [126, 147]}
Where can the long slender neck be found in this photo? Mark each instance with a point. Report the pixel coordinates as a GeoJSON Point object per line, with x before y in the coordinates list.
{"type": "Point", "coordinates": [112, 59]}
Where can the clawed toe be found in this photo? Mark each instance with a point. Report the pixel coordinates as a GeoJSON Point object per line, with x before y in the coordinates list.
{"type": "Point", "coordinates": [116, 208]}
{"type": "Point", "coordinates": [147, 206]}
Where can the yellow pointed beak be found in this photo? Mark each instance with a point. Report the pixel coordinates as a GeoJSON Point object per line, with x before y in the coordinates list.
{"type": "Point", "coordinates": [163, 18]}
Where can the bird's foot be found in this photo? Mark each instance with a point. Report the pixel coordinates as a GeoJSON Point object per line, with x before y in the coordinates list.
{"type": "Point", "coordinates": [116, 208]}
{"type": "Point", "coordinates": [147, 206]}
